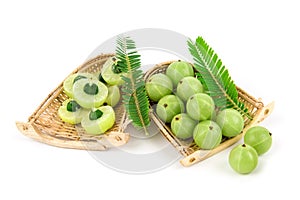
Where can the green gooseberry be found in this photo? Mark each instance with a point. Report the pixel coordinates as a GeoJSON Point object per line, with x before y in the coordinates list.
{"type": "Point", "coordinates": [183, 126]}
{"type": "Point", "coordinates": [200, 107]}
{"type": "Point", "coordinates": [259, 138]}
{"type": "Point", "coordinates": [168, 107]}
{"type": "Point", "coordinates": [207, 134]}
{"type": "Point", "coordinates": [188, 86]}
{"type": "Point", "coordinates": [243, 159]}
{"type": "Point", "coordinates": [231, 122]}
{"type": "Point", "coordinates": [158, 86]}
{"type": "Point", "coordinates": [178, 70]}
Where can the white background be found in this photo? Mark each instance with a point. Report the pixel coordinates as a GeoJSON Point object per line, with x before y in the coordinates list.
{"type": "Point", "coordinates": [43, 41]}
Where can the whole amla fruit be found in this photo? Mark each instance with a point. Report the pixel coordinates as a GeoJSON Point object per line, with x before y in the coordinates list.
{"type": "Point", "coordinates": [158, 86]}
{"type": "Point", "coordinates": [259, 138]}
{"type": "Point", "coordinates": [243, 159]}
{"type": "Point", "coordinates": [230, 121]}
{"type": "Point", "coordinates": [207, 134]}
{"type": "Point", "coordinates": [187, 87]}
{"type": "Point", "coordinates": [183, 126]}
{"type": "Point", "coordinates": [168, 107]}
{"type": "Point", "coordinates": [200, 107]}
{"type": "Point", "coordinates": [178, 70]}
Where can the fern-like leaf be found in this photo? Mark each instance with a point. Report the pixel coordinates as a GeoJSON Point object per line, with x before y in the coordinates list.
{"type": "Point", "coordinates": [215, 77]}
{"type": "Point", "coordinates": [134, 95]}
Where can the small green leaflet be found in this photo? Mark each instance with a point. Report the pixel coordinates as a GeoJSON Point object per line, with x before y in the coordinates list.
{"type": "Point", "coordinates": [215, 77]}
{"type": "Point", "coordinates": [134, 95]}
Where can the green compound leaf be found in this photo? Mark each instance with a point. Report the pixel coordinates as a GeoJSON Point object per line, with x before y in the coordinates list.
{"type": "Point", "coordinates": [134, 95]}
{"type": "Point", "coordinates": [215, 77]}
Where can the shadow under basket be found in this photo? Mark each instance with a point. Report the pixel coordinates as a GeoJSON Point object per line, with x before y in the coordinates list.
{"type": "Point", "coordinates": [190, 151]}
{"type": "Point", "coordinates": [45, 126]}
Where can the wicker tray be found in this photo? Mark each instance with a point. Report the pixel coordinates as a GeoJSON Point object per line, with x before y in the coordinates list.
{"type": "Point", "coordinates": [191, 152]}
{"type": "Point", "coordinates": [44, 125]}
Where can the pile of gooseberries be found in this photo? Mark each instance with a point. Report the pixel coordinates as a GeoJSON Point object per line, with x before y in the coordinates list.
{"type": "Point", "coordinates": [92, 97]}
{"type": "Point", "coordinates": [244, 158]}
{"type": "Point", "coordinates": [191, 113]}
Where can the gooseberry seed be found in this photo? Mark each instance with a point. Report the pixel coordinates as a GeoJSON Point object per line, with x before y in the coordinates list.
{"type": "Point", "coordinates": [91, 89]}
{"type": "Point", "coordinates": [73, 106]}
{"type": "Point", "coordinates": [94, 115]}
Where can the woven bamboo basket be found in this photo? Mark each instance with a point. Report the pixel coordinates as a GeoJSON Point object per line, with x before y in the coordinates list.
{"type": "Point", "coordinates": [190, 151]}
{"type": "Point", "coordinates": [45, 126]}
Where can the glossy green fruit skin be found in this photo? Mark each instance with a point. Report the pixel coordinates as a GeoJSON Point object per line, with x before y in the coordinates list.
{"type": "Point", "coordinates": [183, 126]}
{"type": "Point", "coordinates": [207, 134]}
{"type": "Point", "coordinates": [187, 87]}
{"type": "Point", "coordinates": [101, 125]}
{"type": "Point", "coordinates": [231, 122]}
{"type": "Point", "coordinates": [70, 117]}
{"type": "Point", "coordinates": [158, 86]}
{"type": "Point", "coordinates": [87, 100]}
{"type": "Point", "coordinates": [113, 96]}
{"type": "Point", "coordinates": [200, 107]}
{"type": "Point", "coordinates": [243, 159]}
{"type": "Point", "coordinates": [259, 138]}
{"type": "Point", "coordinates": [178, 70]}
{"type": "Point", "coordinates": [168, 107]}
{"type": "Point", "coordinates": [69, 82]}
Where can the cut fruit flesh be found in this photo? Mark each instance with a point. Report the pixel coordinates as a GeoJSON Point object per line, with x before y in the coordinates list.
{"type": "Point", "coordinates": [72, 117]}
{"type": "Point", "coordinates": [100, 125]}
{"type": "Point", "coordinates": [89, 93]}
{"type": "Point", "coordinates": [109, 75]}
{"type": "Point", "coordinates": [113, 96]}
{"type": "Point", "coordinates": [69, 82]}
